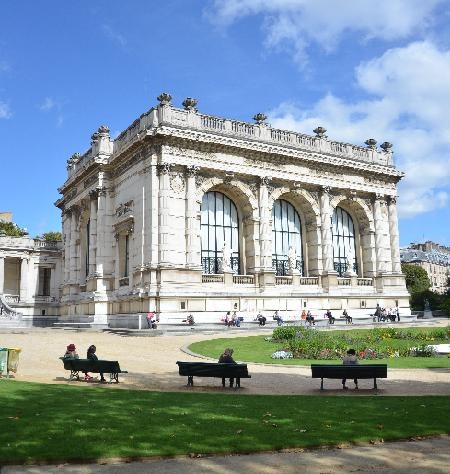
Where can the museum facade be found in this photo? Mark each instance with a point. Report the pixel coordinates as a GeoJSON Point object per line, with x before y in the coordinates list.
{"type": "Point", "coordinates": [191, 213]}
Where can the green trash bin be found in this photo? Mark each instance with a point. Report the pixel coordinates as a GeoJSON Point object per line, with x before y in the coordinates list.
{"type": "Point", "coordinates": [13, 359]}
{"type": "Point", "coordinates": [3, 361]}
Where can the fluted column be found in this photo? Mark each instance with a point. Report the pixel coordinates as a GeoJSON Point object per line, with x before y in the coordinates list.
{"type": "Point", "coordinates": [394, 236]}
{"type": "Point", "coordinates": [193, 259]}
{"type": "Point", "coordinates": [92, 231]}
{"type": "Point", "coordinates": [265, 231]}
{"type": "Point", "coordinates": [378, 221]}
{"type": "Point", "coordinates": [164, 214]}
{"type": "Point", "coordinates": [327, 238]}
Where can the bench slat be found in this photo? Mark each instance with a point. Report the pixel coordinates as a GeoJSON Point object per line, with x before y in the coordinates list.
{"type": "Point", "coordinates": [76, 366]}
{"type": "Point", "coordinates": [369, 371]}
{"type": "Point", "coordinates": [212, 369]}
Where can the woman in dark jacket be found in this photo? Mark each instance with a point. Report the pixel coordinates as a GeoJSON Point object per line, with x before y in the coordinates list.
{"type": "Point", "coordinates": [92, 355]}
{"type": "Point", "coordinates": [226, 358]}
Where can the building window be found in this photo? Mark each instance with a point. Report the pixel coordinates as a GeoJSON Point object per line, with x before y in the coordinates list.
{"type": "Point", "coordinates": [286, 233]}
{"type": "Point", "coordinates": [344, 252]}
{"type": "Point", "coordinates": [219, 226]}
{"type": "Point", "coordinates": [44, 281]}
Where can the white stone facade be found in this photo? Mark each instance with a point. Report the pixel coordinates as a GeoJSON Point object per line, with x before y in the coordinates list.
{"type": "Point", "coordinates": [30, 275]}
{"type": "Point", "coordinates": [132, 220]}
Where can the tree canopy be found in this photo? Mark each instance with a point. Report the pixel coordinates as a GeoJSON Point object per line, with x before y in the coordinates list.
{"type": "Point", "coordinates": [52, 236]}
{"type": "Point", "coordinates": [12, 230]}
{"type": "Point", "coordinates": [417, 280]}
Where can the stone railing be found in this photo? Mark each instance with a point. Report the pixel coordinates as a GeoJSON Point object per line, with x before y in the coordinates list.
{"type": "Point", "coordinates": [344, 281]}
{"type": "Point", "coordinates": [212, 278]}
{"type": "Point", "coordinates": [283, 280]}
{"type": "Point", "coordinates": [45, 299]}
{"type": "Point", "coordinates": [365, 281]}
{"type": "Point", "coordinates": [244, 279]}
{"type": "Point", "coordinates": [172, 116]}
{"type": "Point", "coordinates": [47, 244]}
{"type": "Point", "coordinates": [309, 280]}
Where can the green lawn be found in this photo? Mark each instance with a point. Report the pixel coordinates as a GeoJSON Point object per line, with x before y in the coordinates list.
{"type": "Point", "coordinates": [57, 423]}
{"type": "Point", "coordinates": [256, 349]}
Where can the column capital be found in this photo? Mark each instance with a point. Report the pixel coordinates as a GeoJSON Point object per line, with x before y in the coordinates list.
{"type": "Point", "coordinates": [164, 168]}
{"type": "Point", "coordinates": [192, 170]}
{"type": "Point", "coordinates": [265, 180]}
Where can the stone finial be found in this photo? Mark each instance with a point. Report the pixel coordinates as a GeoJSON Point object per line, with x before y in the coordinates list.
{"type": "Point", "coordinates": [74, 158]}
{"type": "Point", "coordinates": [103, 130]}
{"type": "Point", "coordinates": [371, 143]}
{"type": "Point", "coordinates": [260, 118]}
{"type": "Point", "coordinates": [190, 104]}
{"type": "Point", "coordinates": [94, 138]}
{"type": "Point", "coordinates": [164, 98]}
{"type": "Point", "coordinates": [320, 132]}
{"type": "Point", "coordinates": [386, 146]}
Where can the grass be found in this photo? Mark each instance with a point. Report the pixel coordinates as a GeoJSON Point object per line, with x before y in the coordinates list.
{"type": "Point", "coordinates": [256, 349]}
{"type": "Point", "coordinates": [56, 423]}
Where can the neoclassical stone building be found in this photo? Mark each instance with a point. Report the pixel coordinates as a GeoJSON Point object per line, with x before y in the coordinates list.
{"type": "Point", "coordinates": [190, 213]}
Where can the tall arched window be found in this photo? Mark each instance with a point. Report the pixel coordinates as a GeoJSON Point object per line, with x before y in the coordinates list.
{"type": "Point", "coordinates": [344, 252]}
{"type": "Point", "coordinates": [286, 233]}
{"type": "Point", "coordinates": [219, 226]}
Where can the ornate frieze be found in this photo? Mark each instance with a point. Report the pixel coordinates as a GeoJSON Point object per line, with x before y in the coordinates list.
{"type": "Point", "coordinates": [71, 194]}
{"type": "Point", "coordinates": [163, 168]}
{"type": "Point", "coordinates": [126, 165]}
{"type": "Point", "coordinates": [89, 181]}
{"type": "Point", "coordinates": [192, 170]}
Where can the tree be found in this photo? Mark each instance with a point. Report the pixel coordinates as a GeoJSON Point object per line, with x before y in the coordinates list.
{"type": "Point", "coordinates": [12, 230]}
{"type": "Point", "coordinates": [52, 236]}
{"type": "Point", "coordinates": [417, 283]}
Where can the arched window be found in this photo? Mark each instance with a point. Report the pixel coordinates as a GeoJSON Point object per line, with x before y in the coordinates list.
{"type": "Point", "coordinates": [219, 227]}
{"type": "Point", "coordinates": [344, 252]}
{"type": "Point", "coordinates": [286, 233]}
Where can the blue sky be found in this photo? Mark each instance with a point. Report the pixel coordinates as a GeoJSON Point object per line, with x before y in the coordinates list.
{"type": "Point", "coordinates": [360, 68]}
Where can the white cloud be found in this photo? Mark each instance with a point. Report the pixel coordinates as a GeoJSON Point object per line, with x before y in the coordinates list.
{"type": "Point", "coordinates": [5, 111]}
{"type": "Point", "coordinates": [111, 34]}
{"type": "Point", "coordinates": [408, 98]}
{"type": "Point", "coordinates": [296, 24]}
{"type": "Point", "coordinates": [48, 104]}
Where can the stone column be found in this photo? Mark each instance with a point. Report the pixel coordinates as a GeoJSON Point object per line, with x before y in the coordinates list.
{"type": "Point", "coordinates": [193, 258]}
{"type": "Point", "coordinates": [265, 231]}
{"type": "Point", "coordinates": [394, 236]}
{"type": "Point", "coordinates": [100, 225]}
{"type": "Point", "coordinates": [24, 280]}
{"type": "Point", "coordinates": [378, 221]}
{"type": "Point", "coordinates": [164, 217]}
{"type": "Point", "coordinates": [327, 239]}
{"type": "Point", "coordinates": [267, 274]}
{"type": "Point", "coordinates": [92, 232]}
{"type": "Point", "coordinates": [73, 277]}
{"type": "Point", "coordinates": [2, 274]}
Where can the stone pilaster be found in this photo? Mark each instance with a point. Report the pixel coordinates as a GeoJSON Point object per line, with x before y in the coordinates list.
{"type": "Point", "coordinates": [327, 239]}
{"type": "Point", "coordinates": [265, 231]}
{"type": "Point", "coordinates": [164, 213]}
{"type": "Point", "coordinates": [93, 232]}
{"type": "Point", "coordinates": [394, 236]}
{"type": "Point", "coordinates": [67, 235]}
{"type": "Point", "coordinates": [193, 259]}
{"type": "Point", "coordinates": [378, 221]}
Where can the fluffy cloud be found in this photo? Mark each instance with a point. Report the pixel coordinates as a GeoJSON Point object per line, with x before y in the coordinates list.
{"type": "Point", "coordinates": [5, 111]}
{"type": "Point", "coordinates": [296, 24]}
{"type": "Point", "coordinates": [112, 35]}
{"type": "Point", "coordinates": [408, 98]}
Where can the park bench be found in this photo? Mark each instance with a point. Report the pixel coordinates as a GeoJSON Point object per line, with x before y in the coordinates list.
{"type": "Point", "coordinates": [76, 366]}
{"type": "Point", "coordinates": [369, 371]}
{"type": "Point", "coordinates": [213, 369]}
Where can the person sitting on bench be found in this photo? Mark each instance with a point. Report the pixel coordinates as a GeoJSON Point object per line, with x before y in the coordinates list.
{"type": "Point", "coordinates": [310, 318]}
{"type": "Point", "coordinates": [261, 319]}
{"type": "Point", "coordinates": [330, 317]}
{"type": "Point", "coordinates": [71, 352]}
{"type": "Point", "coordinates": [350, 359]}
{"type": "Point", "coordinates": [278, 318]}
{"type": "Point", "coordinates": [348, 318]}
{"type": "Point", "coordinates": [93, 356]}
{"type": "Point", "coordinates": [226, 358]}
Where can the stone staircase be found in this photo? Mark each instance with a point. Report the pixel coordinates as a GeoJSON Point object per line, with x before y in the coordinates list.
{"type": "Point", "coordinates": [9, 317]}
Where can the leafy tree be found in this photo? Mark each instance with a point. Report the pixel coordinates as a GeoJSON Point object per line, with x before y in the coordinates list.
{"type": "Point", "coordinates": [417, 280]}
{"type": "Point", "coordinates": [12, 230]}
{"type": "Point", "coordinates": [52, 236]}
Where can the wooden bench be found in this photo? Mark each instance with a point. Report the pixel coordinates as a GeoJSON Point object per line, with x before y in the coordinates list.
{"type": "Point", "coordinates": [76, 366]}
{"type": "Point", "coordinates": [369, 371]}
{"type": "Point", "coordinates": [213, 369]}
